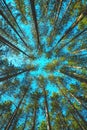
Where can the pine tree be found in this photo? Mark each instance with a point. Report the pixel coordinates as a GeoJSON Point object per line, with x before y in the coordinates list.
{"type": "Point", "coordinates": [43, 65]}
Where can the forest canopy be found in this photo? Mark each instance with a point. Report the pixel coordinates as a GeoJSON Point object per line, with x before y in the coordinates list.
{"type": "Point", "coordinates": [43, 64]}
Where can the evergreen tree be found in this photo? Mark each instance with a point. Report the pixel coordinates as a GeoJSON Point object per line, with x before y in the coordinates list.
{"type": "Point", "coordinates": [43, 65]}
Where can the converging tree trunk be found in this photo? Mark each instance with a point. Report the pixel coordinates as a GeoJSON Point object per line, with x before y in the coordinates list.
{"type": "Point", "coordinates": [15, 112]}
{"type": "Point", "coordinates": [46, 110]}
{"type": "Point", "coordinates": [80, 17]}
{"type": "Point", "coordinates": [35, 20]}
{"type": "Point", "coordinates": [2, 14]}
{"type": "Point", "coordinates": [2, 39]}
{"type": "Point", "coordinates": [34, 118]}
{"type": "Point", "coordinates": [13, 75]}
{"type": "Point", "coordinates": [13, 17]}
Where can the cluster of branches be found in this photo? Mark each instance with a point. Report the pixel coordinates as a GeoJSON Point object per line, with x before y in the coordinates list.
{"type": "Point", "coordinates": [61, 110]}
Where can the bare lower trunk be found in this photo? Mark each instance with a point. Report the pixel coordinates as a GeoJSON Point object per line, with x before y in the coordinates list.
{"type": "Point", "coordinates": [74, 109]}
{"type": "Point", "coordinates": [11, 76]}
{"type": "Point", "coordinates": [46, 110]}
{"type": "Point", "coordinates": [6, 42]}
{"type": "Point", "coordinates": [13, 18]}
{"type": "Point", "coordinates": [15, 113]}
{"type": "Point", "coordinates": [13, 28]}
{"type": "Point", "coordinates": [80, 17]}
{"type": "Point", "coordinates": [35, 20]}
{"type": "Point", "coordinates": [34, 119]}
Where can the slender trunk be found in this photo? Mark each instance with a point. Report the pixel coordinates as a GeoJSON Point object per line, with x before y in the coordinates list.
{"type": "Point", "coordinates": [2, 39]}
{"type": "Point", "coordinates": [35, 20]}
{"type": "Point", "coordinates": [58, 11]}
{"type": "Point", "coordinates": [13, 28]}
{"type": "Point", "coordinates": [80, 17]}
{"type": "Point", "coordinates": [61, 122]}
{"type": "Point", "coordinates": [78, 100]}
{"type": "Point", "coordinates": [14, 123]}
{"type": "Point", "coordinates": [11, 76]}
{"type": "Point", "coordinates": [79, 124]}
{"type": "Point", "coordinates": [74, 109]}
{"type": "Point", "coordinates": [78, 51]}
{"type": "Point", "coordinates": [25, 122]}
{"type": "Point", "coordinates": [55, 29]}
{"type": "Point", "coordinates": [71, 94]}
{"type": "Point", "coordinates": [14, 113]}
{"type": "Point", "coordinates": [34, 118]}
{"type": "Point", "coordinates": [73, 75]}
{"type": "Point", "coordinates": [63, 45]}
{"type": "Point", "coordinates": [46, 110]}
{"type": "Point", "coordinates": [66, 10]}
{"type": "Point", "coordinates": [13, 17]}
{"type": "Point", "coordinates": [6, 34]}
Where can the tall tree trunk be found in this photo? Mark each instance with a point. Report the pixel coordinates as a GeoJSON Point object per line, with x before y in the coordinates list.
{"type": "Point", "coordinates": [34, 118]}
{"type": "Point", "coordinates": [35, 20]}
{"type": "Point", "coordinates": [2, 39]}
{"type": "Point", "coordinates": [63, 45]}
{"type": "Point", "coordinates": [79, 124]}
{"type": "Point", "coordinates": [13, 17]}
{"type": "Point", "coordinates": [6, 34]}
{"type": "Point", "coordinates": [25, 121]}
{"type": "Point", "coordinates": [46, 110]}
{"type": "Point", "coordinates": [14, 123]}
{"type": "Point", "coordinates": [15, 112]}
{"type": "Point", "coordinates": [66, 10]}
{"type": "Point", "coordinates": [74, 109]}
{"type": "Point", "coordinates": [72, 95]}
{"type": "Point", "coordinates": [58, 10]}
{"type": "Point", "coordinates": [13, 75]}
{"type": "Point", "coordinates": [73, 75]}
{"type": "Point", "coordinates": [80, 17]}
{"type": "Point", "coordinates": [1, 13]}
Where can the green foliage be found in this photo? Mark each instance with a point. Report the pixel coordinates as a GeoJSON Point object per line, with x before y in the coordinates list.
{"type": "Point", "coordinates": [42, 126]}
{"type": "Point", "coordinates": [51, 66]}
{"type": "Point", "coordinates": [43, 65]}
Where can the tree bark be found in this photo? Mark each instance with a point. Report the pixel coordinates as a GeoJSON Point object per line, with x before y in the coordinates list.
{"type": "Point", "coordinates": [81, 79]}
{"type": "Point", "coordinates": [35, 20]}
{"type": "Point", "coordinates": [1, 13]}
{"type": "Point", "coordinates": [79, 124]}
{"type": "Point", "coordinates": [34, 118]}
{"type": "Point", "coordinates": [66, 10]}
{"type": "Point", "coordinates": [2, 39]}
{"type": "Point", "coordinates": [72, 95]}
{"type": "Point", "coordinates": [74, 109]}
{"type": "Point", "coordinates": [25, 122]}
{"type": "Point", "coordinates": [46, 110]}
{"type": "Point", "coordinates": [63, 45]}
{"type": "Point", "coordinates": [15, 113]}
{"type": "Point", "coordinates": [58, 11]}
{"type": "Point", "coordinates": [80, 17]}
{"type": "Point", "coordinates": [13, 75]}
{"type": "Point", "coordinates": [13, 17]}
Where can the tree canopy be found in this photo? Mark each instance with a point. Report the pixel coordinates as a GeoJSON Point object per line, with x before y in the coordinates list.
{"type": "Point", "coordinates": [43, 64]}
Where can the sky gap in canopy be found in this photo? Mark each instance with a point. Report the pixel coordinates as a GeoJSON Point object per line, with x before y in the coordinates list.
{"type": "Point", "coordinates": [59, 65]}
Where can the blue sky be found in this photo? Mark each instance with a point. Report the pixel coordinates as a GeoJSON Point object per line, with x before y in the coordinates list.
{"type": "Point", "coordinates": [42, 60]}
